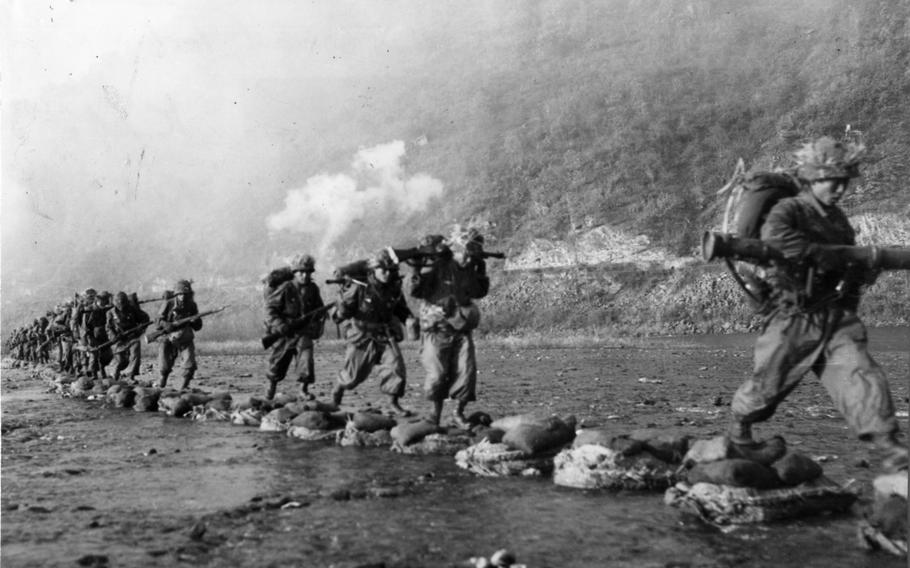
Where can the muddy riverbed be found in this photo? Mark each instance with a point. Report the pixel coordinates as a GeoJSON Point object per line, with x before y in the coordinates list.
{"type": "Point", "coordinates": [87, 485]}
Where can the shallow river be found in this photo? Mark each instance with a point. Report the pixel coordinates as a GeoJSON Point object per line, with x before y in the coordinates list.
{"type": "Point", "coordinates": [120, 488]}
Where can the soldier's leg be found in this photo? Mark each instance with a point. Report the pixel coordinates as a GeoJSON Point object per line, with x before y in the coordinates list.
{"type": "Point", "coordinates": [860, 390]}
{"type": "Point", "coordinates": [121, 358]}
{"type": "Point", "coordinates": [785, 351]}
{"type": "Point", "coordinates": [304, 366]}
{"type": "Point", "coordinates": [436, 356]}
{"type": "Point", "coordinates": [392, 375]}
{"type": "Point", "coordinates": [359, 359]}
{"type": "Point", "coordinates": [134, 360]}
{"type": "Point", "coordinates": [280, 358]}
{"type": "Point", "coordinates": [188, 354]}
{"type": "Point", "coordinates": [105, 356]}
{"type": "Point", "coordinates": [464, 389]}
{"type": "Point", "coordinates": [166, 357]}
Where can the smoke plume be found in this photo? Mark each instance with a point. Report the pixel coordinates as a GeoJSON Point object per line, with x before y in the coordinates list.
{"type": "Point", "coordinates": [375, 189]}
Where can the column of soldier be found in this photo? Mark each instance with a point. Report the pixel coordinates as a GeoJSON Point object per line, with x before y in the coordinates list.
{"type": "Point", "coordinates": [93, 330]}
{"type": "Point", "coordinates": [809, 295]}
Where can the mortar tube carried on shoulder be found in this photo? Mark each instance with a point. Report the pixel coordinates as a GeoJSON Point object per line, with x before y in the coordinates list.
{"type": "Point", "coordinates": [296, 325]}
{"type": "Point", "coordinates": [723, 245]}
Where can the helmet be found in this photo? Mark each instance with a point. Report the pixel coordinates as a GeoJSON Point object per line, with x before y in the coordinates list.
{"type": "Point", "coordinates": [183, 287]}
{"type": "Point", "coordinates": [381, 259]}
{"type": "Point", "coordinates": [121, 299]}
{"type": "Point", "coordinates": [303, 263]}
{"type": "Point", "coordinates": [104, 295]}
{"type": "Point", "coordinates": [827, 158]}
{"type": "Point", "coordinates": [89, 292]}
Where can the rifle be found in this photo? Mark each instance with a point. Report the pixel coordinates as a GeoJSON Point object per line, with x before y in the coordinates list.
{"type": "Point", "coordinates": [345, 280]}
{"type": "Point", "coordinates": [296, 325]}
{"type": "Point", "coordinates": [722, 245]}
{"type": "Point", "coordinates": [153, 335]}
{"type": "Point", "coordinates": [141, 327]}
{"type": "Point", "coordinates": [420, 254]}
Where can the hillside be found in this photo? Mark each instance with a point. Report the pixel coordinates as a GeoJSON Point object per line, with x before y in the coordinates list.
{"type": "Point", "coordinates": [589, 138]}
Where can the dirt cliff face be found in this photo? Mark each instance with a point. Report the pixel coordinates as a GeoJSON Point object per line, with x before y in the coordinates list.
{"type": "Point", "coordinates": [604, 278]}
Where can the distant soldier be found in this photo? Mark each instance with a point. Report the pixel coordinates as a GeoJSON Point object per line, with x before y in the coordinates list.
{"type": "Point", "coordinates": [813, 322]}
{"type": "Point", "coordinates": [285, 307]}
{"type": "Point", "coordinates": [179, 342]}
{"type": "Point", "coordinates": [122, 323]}
{"type": "Point", "coordinates": [446, 288]}
{"type": "Point", "coordinates": [95, 326]}
{"type": "Point", "coordinates": [373, 313]}
{"type": "Point", "coordinates": [60, 327]}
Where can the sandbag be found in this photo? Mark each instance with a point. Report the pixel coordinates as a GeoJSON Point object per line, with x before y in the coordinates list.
{"type": "Point", "coordinates": [277, 420]}
{"type": "Point", "coordinates": [353, 436]}
{"type": "Point", "coordinates": [437, 443]}
{"type": "Point", "coordinates": [492, 459]}
{"type": "Point", "coordinates": [372, 421]}
{"type": "Point", "coordinates": [536, 438]}
{"type": "Point", "coordinates": [313, 420]}
{"type": "Point", "coordinates": [492, 435]}
{"type": "Point", "coordinates": [246, 417]}
{"type": "Point", "coordinates": [593, 437]}
{"type": "Point", "coordinates": [593, 466]}
{"type": "Point", "coordinates": [145, 399]}
{"type": "Point", "coordinates": [735, 473]}
{"type": "Point", "coordinates": [508, 422]}
{"type": "Point", "coordinates": [405, 433]}
{"type": "Point", "coordinates": [795, 468]}
{"type": "Point", "coordinates": [123, 398]}
{"type": "Point", "coordinates": [664, 445]}
{"type": "Point", "coordinates": [221, 402]}
{"type": "Point", "coordinates": [723, 504]}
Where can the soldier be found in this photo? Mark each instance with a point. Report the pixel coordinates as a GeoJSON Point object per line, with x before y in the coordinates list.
{"type": "Point", "coordinates": [179, 341]}
{"type": "Point", "coordinates": [122, 323]}
{"type": "Point", "coordinates": [813, 323]}
{"type": "Point", "coordinates": [373, 312]}
{"type": "Point", "coordinates": [445, 289]}
{"type": "Point", "coordinates": [285, 305]}
{"type": "Point", "coordinates": [60, 327]}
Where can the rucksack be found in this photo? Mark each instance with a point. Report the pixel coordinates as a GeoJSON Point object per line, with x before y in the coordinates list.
{"type": "Point", "coordinates": [751, 198]}
{"type": "Point", "coordinates": [276, 278]}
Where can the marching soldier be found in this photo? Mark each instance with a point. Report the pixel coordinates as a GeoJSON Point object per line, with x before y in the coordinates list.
{"type": "Point", "coordinates": [446, 288]}
{"type": "Point", "coordinates": [286, 307]}
{"type": "Point", "coordinates": [373, 312]}
{"type": "Point", "coordinates": [123, 322]}
{"type": "Point", "coordinates": [179, 342]}
{"type": "Point", "coordinates": [813, 323]}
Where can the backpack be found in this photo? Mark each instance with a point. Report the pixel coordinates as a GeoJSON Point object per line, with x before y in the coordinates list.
{"type": "Point", "coordinates": [751, 198]}
{"type": "Point", "coordinates": [276, 278]}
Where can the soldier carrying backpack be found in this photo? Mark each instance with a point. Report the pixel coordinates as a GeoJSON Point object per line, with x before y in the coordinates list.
{"type": "Point", "coordinates": [810, 298]}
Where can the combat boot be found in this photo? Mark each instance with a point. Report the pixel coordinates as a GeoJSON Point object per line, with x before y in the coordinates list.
{"type": "Point", "coordinates": [397, 408]}
{"type": "Point", "coordinates": [186, 381]}
{"type": "Point", "coordinates": [764, 452]}
{"type": "Point", "coordinates": [459, 416]}
{"type": "Point", "coordinates": [270, 391]}
{"type": "Point", "coordinates": [305, 393]}
{"type": "Point", "coordinates": [337, 395]}
{"type": "Point", "coordinates": [162, 381]}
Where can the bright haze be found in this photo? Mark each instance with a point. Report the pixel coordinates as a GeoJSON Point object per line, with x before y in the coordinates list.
{"type": "Point", "coordinates": [144, 142]}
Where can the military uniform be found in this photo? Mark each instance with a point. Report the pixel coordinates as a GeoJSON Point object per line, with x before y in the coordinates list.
{"type": "Point", "coordinates": [813, 324]}
{"type": "Point", "coordinates": [94, 333]}
{"type": "Point", "coordinates": [123, 318]}
{"type": "Point", "coordinates": [372, 313]}
{"type": "Point", "coordinates": [178, 343]}
{"type": "Point", "coordinates": [448, 315]}
{"type": "Point", "coordinates": [294, 350]}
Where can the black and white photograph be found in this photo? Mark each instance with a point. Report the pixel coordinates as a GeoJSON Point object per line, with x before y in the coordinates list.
{"type": "Point", "coordinates": [454, 283]}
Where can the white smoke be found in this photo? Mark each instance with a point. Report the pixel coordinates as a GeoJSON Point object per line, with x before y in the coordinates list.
{"type": "Point", "coordinates": [329, 204]}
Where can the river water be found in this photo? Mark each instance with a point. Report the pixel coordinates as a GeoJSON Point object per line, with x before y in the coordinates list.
{"type": "Point", "coordinates": [146, 479]}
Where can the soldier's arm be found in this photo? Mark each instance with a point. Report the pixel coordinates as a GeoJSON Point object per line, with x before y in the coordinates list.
{"type": "Point", "coordinates": [782, 231]}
